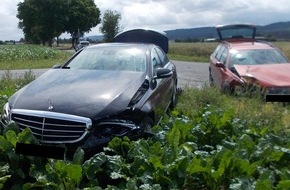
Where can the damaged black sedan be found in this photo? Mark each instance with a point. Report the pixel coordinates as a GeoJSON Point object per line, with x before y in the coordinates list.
{"type": "Point", "coordinates": [104, 91]}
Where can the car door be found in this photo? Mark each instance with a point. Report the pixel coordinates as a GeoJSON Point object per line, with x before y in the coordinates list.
{"type": "Point", "coordinates": [162, 92]}
{"type": "Point", "coordinates": [218, 66]}
{"type": "Point", "coordinates": [167, 84]}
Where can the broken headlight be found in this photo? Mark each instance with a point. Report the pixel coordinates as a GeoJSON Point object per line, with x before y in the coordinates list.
{"type": "Point", "coordinates": [140, 93]}
{"type": "Point", "coordinates": [115, 128]}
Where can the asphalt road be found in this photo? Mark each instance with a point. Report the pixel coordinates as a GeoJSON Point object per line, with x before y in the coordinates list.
{"type": "Point", "coordinates": [190, 74]}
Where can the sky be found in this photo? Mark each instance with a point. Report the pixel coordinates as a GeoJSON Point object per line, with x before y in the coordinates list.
{"type": "Point", "coordinates": [165, 15]}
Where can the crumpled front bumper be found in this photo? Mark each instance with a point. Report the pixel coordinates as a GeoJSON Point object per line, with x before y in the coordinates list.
{"type": "Point", "coordinates": [94, 141]}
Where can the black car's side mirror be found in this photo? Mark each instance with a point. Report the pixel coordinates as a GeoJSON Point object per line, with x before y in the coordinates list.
{"type": "Point", "coordinates": [163, 73]}
{"type": "Point", "coordinates": [220, 64]}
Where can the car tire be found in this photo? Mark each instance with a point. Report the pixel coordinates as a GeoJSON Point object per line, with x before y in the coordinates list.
{"type": "Point", "coordinates": [210, 79]}
{"type": "Point", "coordinates": [226, 88]}
{"type": "Point", "coordinates": [174, 96]}
{"type": "Point", "coordinates": [147, 125]}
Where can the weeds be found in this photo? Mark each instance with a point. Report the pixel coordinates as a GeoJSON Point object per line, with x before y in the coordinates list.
{"type": "Point", "coordinates": [9, 85]}
{"type": "Point", "coordinates": [258, 113]}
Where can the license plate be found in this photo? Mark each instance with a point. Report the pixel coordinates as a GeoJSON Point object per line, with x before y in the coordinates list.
{"type": "Point", "coordinates": [40, 151]}
{"type": "Point", "coordinates": [277, 98]}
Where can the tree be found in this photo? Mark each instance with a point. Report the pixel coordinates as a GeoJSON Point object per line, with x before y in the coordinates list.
{"type": "Point", "coordinates": [43, 20]}
{"type": "Point", "coordinates": [110, 25]}
{"type": "Point", "coordinates": [81, 16]}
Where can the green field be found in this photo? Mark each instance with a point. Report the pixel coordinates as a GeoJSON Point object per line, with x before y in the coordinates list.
{"type": "Point", "coordinates": [210, 141]}
{"type": "Point", "coordinates": [35, 57]}
{"type": "Point", "coordinates": [30, 57]}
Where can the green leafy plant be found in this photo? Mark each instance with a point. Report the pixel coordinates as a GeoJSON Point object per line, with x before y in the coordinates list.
{"type": "Point", "coordinates": [218, 142]}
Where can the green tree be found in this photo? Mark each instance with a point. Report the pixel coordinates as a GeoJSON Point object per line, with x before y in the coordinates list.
{"type": "Point", "coordinates": [81, 16]}
{"type": "Point", "coordinates": [111, 25]}
{"type": "Point", "coordinates": [43, 20]}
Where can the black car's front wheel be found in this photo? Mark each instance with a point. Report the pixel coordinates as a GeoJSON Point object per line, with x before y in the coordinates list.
{"type": "Point", "coordinates": [146, 126]}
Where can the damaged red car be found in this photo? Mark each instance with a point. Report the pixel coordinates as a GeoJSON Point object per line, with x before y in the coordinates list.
{"type": "Point", "coordinates": [240, 62]}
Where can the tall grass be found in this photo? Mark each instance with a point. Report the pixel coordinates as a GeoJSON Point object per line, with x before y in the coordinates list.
{"type": "Point", "coordinates": [198, 52]}
{"type": "Point", "coordinates": [254, 111]}
{"type": "Point", "coordinates": [284, 47]}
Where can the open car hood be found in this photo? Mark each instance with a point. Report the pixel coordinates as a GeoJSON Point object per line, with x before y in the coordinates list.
{"type": "Point", "coordinates": [270, 75]}
{"type": "Point", "coordinates": [87, 93]}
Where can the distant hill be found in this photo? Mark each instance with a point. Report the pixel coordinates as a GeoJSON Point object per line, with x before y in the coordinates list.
{"type": "Point", "coordinates": [182, 34]}
{"type": "Point", "coordinates": [279, 31]}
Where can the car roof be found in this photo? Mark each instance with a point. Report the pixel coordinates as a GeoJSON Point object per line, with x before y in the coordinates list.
{"type": "Point", "coordinates": [249, 45]}
{"type": "Point", "coordinates": [144, 36]}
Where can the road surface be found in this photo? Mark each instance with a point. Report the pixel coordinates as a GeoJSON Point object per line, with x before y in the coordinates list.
{"type": "Point", "coordinates": [190, 74]}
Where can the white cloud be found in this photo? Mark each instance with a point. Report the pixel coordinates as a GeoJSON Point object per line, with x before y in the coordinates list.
{"type": "Point", "coordinates": [169, 14]}
{"type": "Point", "coordinates": [8, 20]}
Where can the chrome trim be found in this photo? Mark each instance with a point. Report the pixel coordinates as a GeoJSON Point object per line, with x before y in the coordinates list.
{"type": "Point", "coordinates": [44, 115]}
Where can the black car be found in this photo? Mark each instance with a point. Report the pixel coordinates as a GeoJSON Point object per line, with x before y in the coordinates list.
{"type": "Point", "coordinates": [104, 91]}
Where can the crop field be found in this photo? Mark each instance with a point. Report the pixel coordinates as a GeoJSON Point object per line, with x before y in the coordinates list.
{"type": "Point", "coordinates": [210, 141]}
{"type": "Point", "coordinates": [30, 57]}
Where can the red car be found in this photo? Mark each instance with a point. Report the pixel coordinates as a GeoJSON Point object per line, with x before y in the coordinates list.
{"type": "Point", "coordinates": [241, 62]}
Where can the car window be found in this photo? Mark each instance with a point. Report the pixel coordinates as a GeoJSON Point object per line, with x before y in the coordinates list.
{"type": "Point", "coordinates": [257, 56]}
{"type": "Point", "coordinates": [113, 58]}
{"type": "Point", "coordinates": [224, 55]}
{"type": "Point", "coordinates": [216, 50]}
{"type": "Point", "coordinates": [220, 53]}
{"type": "Point", "coordinates": [163, 58]}
{"type": "Point", "coordinates": [156, 62]}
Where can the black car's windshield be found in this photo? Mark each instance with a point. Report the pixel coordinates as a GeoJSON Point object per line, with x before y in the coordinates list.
{"type": "Point", "coordinates": [110, 58]}
{"type": "Point", "coordinates": [256, 57]}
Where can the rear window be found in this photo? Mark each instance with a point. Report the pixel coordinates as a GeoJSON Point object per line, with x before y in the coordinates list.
{"type": "Point", "coordinates": [237, 33]}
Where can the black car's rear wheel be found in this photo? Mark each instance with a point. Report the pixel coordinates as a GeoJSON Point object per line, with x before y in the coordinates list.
{"type": "Point", "coordinates": [174, 96]}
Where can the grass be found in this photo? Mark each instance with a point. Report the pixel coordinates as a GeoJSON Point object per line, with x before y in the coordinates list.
{"type": "Point", "coordinates": [195, 52]}
{"type": "Point", "coordinates": [9, 85]}
{"type": "Point", "coordinates": [255, 111]}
